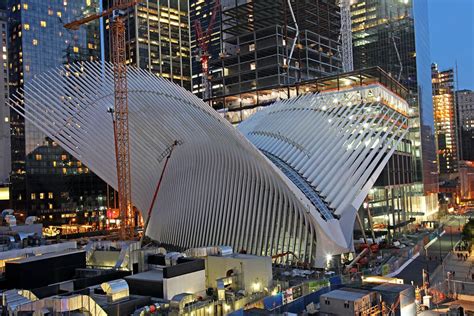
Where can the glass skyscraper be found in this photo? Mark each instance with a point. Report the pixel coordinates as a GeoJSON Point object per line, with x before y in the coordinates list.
{"type": "Point", "coordinates": [158, 39]}
{"type": "Point", "coordinates": [5, 156]}
{"type": "Point", "coordinates": [445, 120]}
{"type": "Point", "coordinates": [394, 35]}
{"type": "Point", "coordinates": [45, 178]}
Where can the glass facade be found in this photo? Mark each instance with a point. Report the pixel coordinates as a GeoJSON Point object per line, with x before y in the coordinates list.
{"type": "Point", "coordinates": [445, 120]}
{"type": "Point", "coordinates": [394, 35]}
{"type": "Point", "coordinates": [5, 156]}
{"type": "Point", "coordinates": [45, 177]}
{"type": "Point", "coordinates": [465, 119]}
{"type": "Point", "coordinates": [158, 39]}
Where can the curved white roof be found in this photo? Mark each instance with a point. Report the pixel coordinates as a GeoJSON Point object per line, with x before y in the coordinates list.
{"type": "Point", "coordinates": [219, 189]}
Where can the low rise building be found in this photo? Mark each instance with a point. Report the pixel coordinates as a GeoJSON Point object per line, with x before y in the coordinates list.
{"type": "Point", "coordinates": [240, 271]}
{"type": "Point", "coordinates": [347, 301]}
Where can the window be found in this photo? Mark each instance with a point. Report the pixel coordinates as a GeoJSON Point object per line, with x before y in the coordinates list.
{"type": "Point", "coordinates": [252, 66]}
{"type": "Point", "coordinates": [50, 206]}
{"type": "Point", "coordinates": [346, 304]}
{"type": "Point", "coordinates": [43, 23]}
{"type": "Point", "coordinates": [59, 14]}
{"type": "Point", "coordinates": [63, 157]}
{"type": "Point", "coordinates": [76, 49]}
{"type": "Point", "coordinates": [50, 12]}
{"type": "Point", "coordinates": [33, 196]}
{"type": "Point", "coordinates": [251, 47]}
{"type": "Point", "coordinates": [35, 42]}
{"type": "Point", "coordinates": [50, 195]}
{"type": "Point", "coordinates": [38, 157]}
{"type": "Point", "coordinates": [41, 196]}
{"type": "Point", "coordinates": [26, 26]}
{"type": "Point", "coordinates": [25, 6]}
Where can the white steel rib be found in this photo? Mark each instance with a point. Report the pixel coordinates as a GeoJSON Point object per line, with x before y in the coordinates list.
{"type": "Point", "coordinates": [291, 178]}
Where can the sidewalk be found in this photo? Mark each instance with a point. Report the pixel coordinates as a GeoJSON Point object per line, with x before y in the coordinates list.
{"type": "Point", "coordinates": [460, 281]}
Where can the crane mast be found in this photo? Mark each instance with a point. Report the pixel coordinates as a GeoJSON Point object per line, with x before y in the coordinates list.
{"type": "Point", "coordinates": [346, 36]}
{"type": "Point", "coordinates": [120, 111]}
{"type": "Point", "coordinates": [203, 39]}
{"type": "Point", "coordinates": [122, 136]}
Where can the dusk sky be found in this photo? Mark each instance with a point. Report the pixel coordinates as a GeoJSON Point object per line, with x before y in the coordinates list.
{"type": "Point", "coordinates": [452, 37]}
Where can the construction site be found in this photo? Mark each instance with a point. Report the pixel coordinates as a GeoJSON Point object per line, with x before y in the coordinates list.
{"type": "Point", "coordinates": [217, 220]}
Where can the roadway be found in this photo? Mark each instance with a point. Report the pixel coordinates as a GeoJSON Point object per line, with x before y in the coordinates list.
{"type": "Point", "coordinates": [429, 260]}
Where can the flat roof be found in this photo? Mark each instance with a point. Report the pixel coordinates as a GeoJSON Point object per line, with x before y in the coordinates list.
{"type": "Point", "coordinates": [151, 275]}
{"type": "Point", "coordinates": [45, 256]}
{"type": "Point", "coordinates": [392, 287]}
{"type": "Point", "coordinates": [347, 294]}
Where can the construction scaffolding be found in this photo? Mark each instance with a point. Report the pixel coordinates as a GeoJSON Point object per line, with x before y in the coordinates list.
{"type": "Point", "coordinates": [258, 38]}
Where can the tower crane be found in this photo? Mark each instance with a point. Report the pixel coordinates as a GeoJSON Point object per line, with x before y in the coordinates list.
{"type": "Point", "coordinates": [203, 39]}
{"type": "Point", "coordinates": [346, 36]}
{"type": "Point", "coordinates": [120, 111]}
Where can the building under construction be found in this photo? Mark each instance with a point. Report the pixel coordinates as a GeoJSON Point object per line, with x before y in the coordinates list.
{"type": "Point", "coordinates": [270, 44]}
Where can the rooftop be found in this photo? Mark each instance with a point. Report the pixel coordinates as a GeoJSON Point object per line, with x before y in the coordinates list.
{"type": "Point", "coordinates": [46, 256]}
{"type": "Point", "coordinates": [347, 294]}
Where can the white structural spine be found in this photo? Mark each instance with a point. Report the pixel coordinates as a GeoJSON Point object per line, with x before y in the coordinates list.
{"type": "Point", "coordinates": [268, 188]}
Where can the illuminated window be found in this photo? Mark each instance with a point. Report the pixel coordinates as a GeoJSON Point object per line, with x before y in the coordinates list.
{"type": "Point", "coordinates": [50, 12]}
{"type": "Point", "coordinates": [63, 157]}
{"type": "Point", "coordinates": [251, 47]}
{"type": "Point", "coordinates": [33, 196]}
{"type": "Point", "coordinates": [26, 26]}
{"type": "Point", "coordinates": [35, 42]}
{"type": "Point", "coordinates": [38, 157]}
{"type": "Point", "coordinates": [76, 49]}
{"type": "Point", "coordinates": [41, 196]}
{"type": "Point", "coordinates": [54, 163]}
{"type": "Point", "coordinates": [43, 23]}
{"type": "Point", "coordinates": [50, 206]}
{"type": "Point", "coordinates": [59, 14]}
{"type": "Point", "coordinates": [25, 6]}
{"type": "Point", "coordinates": [6, 119]}
{"type": "Point", "coordinates": [64, 170]}
{"type": "Point", "coordinates": [252, 66]}
{"type": "Point", "coordinates": [50, 195]}
{"type": "Point", "coordinates": [90, 46]}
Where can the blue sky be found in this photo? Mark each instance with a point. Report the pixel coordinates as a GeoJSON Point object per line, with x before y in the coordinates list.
{"type": "Point", "coordinates": [452, 37]}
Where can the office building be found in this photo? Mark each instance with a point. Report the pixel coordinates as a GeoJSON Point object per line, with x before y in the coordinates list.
{"type": "Point", "coordinates": [394, 35]}
{"type": "Point", "coordinates": [45, 178]}
{"type": "Point", "coordinates": [158, 39]}
{"type": "Point", "coordinates": [5, 150]}
{"type": "Point", "coordinates": [445, 120]}
{"type": "Point", "coordinates": [259, 49]}
{"type": "Point", "coordinates": [465, 121]}
{"type": "Point", "coordinates": [303, 197]}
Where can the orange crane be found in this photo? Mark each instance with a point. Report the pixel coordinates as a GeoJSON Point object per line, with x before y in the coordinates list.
{"type": "Point", "coordinates": [120, 112]}
{"type": "Point", "coordinates": [203, 39]}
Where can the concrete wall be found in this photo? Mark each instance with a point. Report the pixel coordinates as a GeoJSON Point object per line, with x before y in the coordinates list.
{"type": "Point", "coordinates": [253, 273]}
{"type": "Point", "coordinates": [193, 283]}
